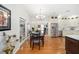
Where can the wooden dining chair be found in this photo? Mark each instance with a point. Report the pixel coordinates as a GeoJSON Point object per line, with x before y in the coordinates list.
{"type": "Point", "coordinates": [35, 40]}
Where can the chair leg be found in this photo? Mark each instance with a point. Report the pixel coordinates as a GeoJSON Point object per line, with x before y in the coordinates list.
{"type": "Point", "coordinates": [30, 43]}
{"type": "Point", "coordinates": [39, 45]}
{"type": "Point", "coordinates": [43, 42]}
{"type": "Point", "coordinates": [33, 46]}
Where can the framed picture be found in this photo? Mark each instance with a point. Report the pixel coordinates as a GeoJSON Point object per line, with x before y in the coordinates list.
{"type": "Point", "coordinates": [5, 18]}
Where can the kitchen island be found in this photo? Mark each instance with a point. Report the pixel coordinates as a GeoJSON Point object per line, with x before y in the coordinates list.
{"type": "Point", "coordinates": [72, 44]}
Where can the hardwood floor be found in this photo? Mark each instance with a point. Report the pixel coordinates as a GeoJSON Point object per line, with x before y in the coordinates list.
{"type": "Point", "coordinates": [51, 46]}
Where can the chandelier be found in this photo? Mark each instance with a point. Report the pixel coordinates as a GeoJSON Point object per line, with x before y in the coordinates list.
{"type": "Point", "coordinates": [40, 16]}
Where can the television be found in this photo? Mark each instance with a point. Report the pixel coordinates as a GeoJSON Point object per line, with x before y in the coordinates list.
{"type": "Point", "coordinates": [5, 18]}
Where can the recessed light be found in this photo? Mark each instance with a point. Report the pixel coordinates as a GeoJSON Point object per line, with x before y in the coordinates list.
{"type": "Point", "coordinates": [52, 17]}
{"type": "Point", "coordinates": [72, 18]}
{"type": "Point", "coordinates": [65, 18]}
{"type": "Point", "coordinates": [55, 17]}
{"type": "Point", "coordinates": [62, 18]}
{"type": "Point", "coordinates": [76, 17]}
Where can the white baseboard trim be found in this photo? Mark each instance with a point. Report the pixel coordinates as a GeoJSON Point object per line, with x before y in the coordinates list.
{"type": "Point", "coordinates": [14, 52]}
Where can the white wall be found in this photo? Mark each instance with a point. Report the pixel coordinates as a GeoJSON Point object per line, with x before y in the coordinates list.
{"type": "Point", "coordinates": [17, 11]}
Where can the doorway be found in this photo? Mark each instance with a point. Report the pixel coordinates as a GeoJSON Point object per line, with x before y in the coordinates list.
{"type": "Point", "coordinates": [22, 29]}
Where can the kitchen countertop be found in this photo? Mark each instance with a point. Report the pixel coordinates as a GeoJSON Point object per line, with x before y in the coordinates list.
{"type": "Point", "coordinates": [76, 37]}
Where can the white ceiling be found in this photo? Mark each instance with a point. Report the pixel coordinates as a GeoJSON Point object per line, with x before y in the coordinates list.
{"type": "Point", "coordinates": [52, 9]}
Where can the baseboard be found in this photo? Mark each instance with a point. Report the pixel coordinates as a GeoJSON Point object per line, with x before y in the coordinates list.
{"type": "Point", "coordinates": [16, 50]}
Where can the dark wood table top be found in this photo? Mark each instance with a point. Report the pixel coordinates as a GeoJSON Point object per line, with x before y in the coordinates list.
{"type": "Point", "coordinates": [76, 37]}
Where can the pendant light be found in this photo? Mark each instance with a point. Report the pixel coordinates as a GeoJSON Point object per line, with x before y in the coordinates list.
{"type": "Point", "coordinates": [40, 16]}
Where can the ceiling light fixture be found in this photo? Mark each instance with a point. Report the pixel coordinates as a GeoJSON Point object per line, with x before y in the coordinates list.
{"type": "Point", "coordinates": [40, 16]}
